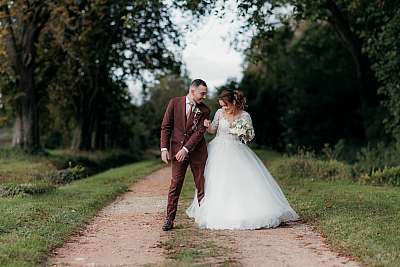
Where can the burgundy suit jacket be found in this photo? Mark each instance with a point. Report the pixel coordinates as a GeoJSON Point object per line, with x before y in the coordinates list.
{"type": "Point", "coordinates": [177, 131]}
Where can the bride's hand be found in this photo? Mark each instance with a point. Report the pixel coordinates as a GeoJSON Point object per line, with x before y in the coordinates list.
{"type": "Point", "coordinates": [244, 139]}
{"type": "Point", "coordinates": [207, 123]}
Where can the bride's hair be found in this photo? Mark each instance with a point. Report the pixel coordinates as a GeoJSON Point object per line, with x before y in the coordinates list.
{"type": "Point", "coordinates": [235, 97]}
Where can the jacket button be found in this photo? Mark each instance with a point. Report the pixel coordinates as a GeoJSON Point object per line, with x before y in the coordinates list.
{"type": "Point", "coordinates": [181, 142]}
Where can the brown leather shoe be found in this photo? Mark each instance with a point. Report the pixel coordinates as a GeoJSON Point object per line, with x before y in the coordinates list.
{"type": "Point", "coordinates": [168, 225]}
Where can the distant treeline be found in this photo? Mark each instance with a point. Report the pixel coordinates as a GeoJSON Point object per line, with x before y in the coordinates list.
{"type": "Point", "coordinates": [64, 66]}
{"type": "Point", "coordinates": [326, 74]}
{"type": "Point", "coordinates": [316, 72]}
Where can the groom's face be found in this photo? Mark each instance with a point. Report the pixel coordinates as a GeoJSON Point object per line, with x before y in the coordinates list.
{"type": "Point", "coordinates": [199, 93]}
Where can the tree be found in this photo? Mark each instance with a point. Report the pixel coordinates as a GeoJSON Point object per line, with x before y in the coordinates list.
{"type": "Point", "coordinates": [96, 45]}
{"type": "Point", "coordinates": [344, 17]}
{"type": "Point", "coordinates": [302, 89]}
{"type": "Point", "coordinates": [383, 47]}
{"type": "Point", "coordinates": [107, 42]}
{"type": "Point", "coordinates": [20, 27]}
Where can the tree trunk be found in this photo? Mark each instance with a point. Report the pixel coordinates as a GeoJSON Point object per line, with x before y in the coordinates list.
{"type": "Point", "coordinates": [368, 84]}
{"type": "Point", "coordinates": [89, 133]}
{"type": "Point", "coordinates": [100, 134]}
{"type": "Point", "coordinates": [17, 132]}
{"type": "Point", "coordinates": [21, 50]}
{"type": "Point", "coordinates": [82, 139]}
{"type": "Point", "coordinates": [26, 129]}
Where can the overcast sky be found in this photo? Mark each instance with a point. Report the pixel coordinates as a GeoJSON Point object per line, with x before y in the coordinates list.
{"type": "Point", "coordinates": [209, 54]}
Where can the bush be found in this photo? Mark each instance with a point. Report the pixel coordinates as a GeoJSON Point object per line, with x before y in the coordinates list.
{"type": "Point", "coordinates": [34, 188]}
{"type": "Point", "coordinates": [342, 151]}
{"type": "Point", "coordinates": [389, 176]}
{"type": "Point", "coordinates": [300, 166]}
{"type": "Point", "coordinates": [64, 176]}
{"type": "Point", "coordinates": [93, 162]}
{"type": "Point", "coordinates": [377, 157]}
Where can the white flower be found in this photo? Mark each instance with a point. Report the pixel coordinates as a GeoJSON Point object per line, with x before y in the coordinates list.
{"type": "Point", "coordinates": [242, 129]}
{"type": "Point", "coordinates": [197, 111]}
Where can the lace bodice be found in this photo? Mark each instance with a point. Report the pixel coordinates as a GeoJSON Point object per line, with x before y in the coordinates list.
{"type": "Point", "coordinates": [222, 125]}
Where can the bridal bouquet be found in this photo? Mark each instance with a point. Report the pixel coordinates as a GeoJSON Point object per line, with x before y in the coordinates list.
{"type": "Point", "coordinates": [243, 129]}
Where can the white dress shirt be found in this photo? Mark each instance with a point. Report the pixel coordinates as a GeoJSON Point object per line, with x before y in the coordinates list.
{"type": "Point", "coordinates": [188, 105]}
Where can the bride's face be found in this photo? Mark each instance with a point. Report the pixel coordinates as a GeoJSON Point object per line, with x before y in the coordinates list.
{"type": "Point", "coordinates": [225, 106]}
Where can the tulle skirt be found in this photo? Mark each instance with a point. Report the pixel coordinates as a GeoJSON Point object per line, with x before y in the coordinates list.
{"type": "Point", "coordinates": [240, 193]}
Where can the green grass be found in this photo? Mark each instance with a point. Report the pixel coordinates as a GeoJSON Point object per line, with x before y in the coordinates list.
{"type": "Point", "coordinates": [31, 226]}
{"type": "Point", "coordinates": [19, 167]}
{"type": "Point", "coordinates": [267, 155]}
{"type": "Point", "coordinates": [357, 220]}
{"type": "Point", "coordinates": [15, 166]}
{"type": "Point", "coordinates": [361, 220]}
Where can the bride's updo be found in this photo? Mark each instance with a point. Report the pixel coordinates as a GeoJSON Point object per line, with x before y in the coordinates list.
{"type": "Point", "coordinates": [234, 97]}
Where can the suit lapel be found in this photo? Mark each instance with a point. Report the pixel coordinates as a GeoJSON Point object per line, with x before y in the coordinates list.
{"type": "Point", "coordinates": [182, 111]}
{"type": "Point", "coordinates": [189, 123]}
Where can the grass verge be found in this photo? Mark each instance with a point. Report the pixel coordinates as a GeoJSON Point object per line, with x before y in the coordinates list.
{"type": "Point", "coordinates": [19, 167]}
{"type": "Point", "coordinates": [30, 226]}
{"type": "Point", "coordinates": [357, 220]}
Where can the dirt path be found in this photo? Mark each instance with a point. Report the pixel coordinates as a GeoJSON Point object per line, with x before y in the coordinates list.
{"type": "Point", "coordinates": [125, 233]}
{"type": "Point", "coordinates": [128, 233]}
{"type": "Point", "coordinates": [293, 245]}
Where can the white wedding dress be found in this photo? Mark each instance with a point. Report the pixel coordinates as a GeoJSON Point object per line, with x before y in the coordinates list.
{"type": "Point", "coordinates": [240, 193]}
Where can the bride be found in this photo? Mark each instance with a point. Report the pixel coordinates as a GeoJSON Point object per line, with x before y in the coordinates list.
{"type": "Point", "coordinates": [240, 193]}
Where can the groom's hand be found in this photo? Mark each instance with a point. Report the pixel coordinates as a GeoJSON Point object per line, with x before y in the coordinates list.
{"type": "Point", "coordinates": [165, 156]}
{"type": "Point", "coordinates": [181, 155]}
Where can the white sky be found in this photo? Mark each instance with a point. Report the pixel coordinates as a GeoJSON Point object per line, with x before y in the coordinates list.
{"type": "Point", "coordinates": [208, 54]}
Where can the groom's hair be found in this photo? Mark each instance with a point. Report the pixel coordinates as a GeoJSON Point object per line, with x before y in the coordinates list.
{"type": "Point", "coordinates": [197, 82]}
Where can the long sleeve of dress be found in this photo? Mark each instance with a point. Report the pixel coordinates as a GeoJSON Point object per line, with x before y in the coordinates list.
{"type": "Point", "coordinates": [215, 122]}
{"type": "Point", "coordinates": [250, 134]}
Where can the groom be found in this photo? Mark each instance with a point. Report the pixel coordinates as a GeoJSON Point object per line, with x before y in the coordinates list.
{"type": "Point", "coordinates": [182, 142]}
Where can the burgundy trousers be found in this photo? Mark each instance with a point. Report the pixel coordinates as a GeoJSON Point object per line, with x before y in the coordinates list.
{"type": "Point", "coordinates": [178, 176]}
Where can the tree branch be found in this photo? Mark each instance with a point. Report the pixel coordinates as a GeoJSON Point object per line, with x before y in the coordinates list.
{"type": "Point", "coordinates": [12, 41]}
{"type": "Point", "coordinates": [342, 26]}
